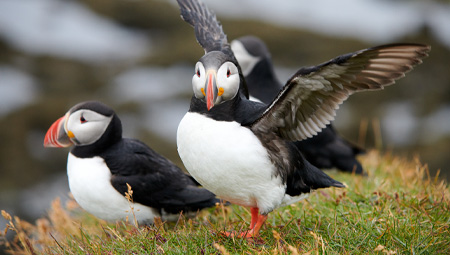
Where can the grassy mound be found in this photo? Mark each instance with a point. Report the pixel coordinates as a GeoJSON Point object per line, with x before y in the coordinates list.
{"type": "Point", "coordinates": [397, 209]}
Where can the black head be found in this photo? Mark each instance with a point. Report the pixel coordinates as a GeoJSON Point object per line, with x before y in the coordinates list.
{"type": "Point", "coordinates": [218, 77]}
{"type": "Point", "coordinates": [256, 63]}
{"type": "Point", "coordinates": [249, 51]}
{"type": "Point", "coordinates": [89, 125]}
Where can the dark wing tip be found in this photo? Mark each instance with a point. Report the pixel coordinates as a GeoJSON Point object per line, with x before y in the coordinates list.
{"type": "Point", "coordinates": [338, 185]}
{"type": "Point", "coordinates": [412, 52]}
{"type": "Point", "coordinates": [189, 10]}
{"type": "Point", "coordinates": [391, 62]}
{"type": "Point", "coordinates": [208, 31]}
{"type": "Point", "coordinates": [421, 49]}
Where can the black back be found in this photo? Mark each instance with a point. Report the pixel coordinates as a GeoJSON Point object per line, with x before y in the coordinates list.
{"type": "Point", "coordinates": [155, 181]}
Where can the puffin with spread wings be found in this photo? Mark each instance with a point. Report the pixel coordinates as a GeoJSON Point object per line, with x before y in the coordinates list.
{"type": "Point", "coordinates": [327, 149]}
{"type": "Point", "coordinates": [244, 151]}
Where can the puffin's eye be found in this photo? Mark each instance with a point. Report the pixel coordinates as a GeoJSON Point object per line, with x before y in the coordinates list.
{"type": "Point", "coordinates": [198, 72]}
{"type": "Point", "coordinates": [228, 72]}
{"type": "Point", "coordinates": [82, 120]}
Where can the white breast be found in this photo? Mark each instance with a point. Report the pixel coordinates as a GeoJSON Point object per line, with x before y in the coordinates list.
{"type": "Point", "coordinates": [230, 161]}
{"type": "Point", "coordinates": [89, 182]}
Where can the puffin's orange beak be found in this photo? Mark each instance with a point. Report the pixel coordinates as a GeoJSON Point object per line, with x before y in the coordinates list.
{"type": "Point", "coordinates": [56, 135]}
{"type": "Point", "coordinates": [211, 89]}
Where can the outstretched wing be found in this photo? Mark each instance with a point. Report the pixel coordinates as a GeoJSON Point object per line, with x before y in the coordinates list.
{"type": "Point", "coordinates": [208, 30]}
{"type": "Point", "coordinates": [310, 98]}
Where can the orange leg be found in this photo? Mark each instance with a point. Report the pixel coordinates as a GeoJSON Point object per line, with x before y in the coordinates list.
{"type": "Point", "coordinates": [254, 211]}
{"type": "Point", "coordinates": [255, 225]}
{"type": "Point", "coordinates": [254, 232]}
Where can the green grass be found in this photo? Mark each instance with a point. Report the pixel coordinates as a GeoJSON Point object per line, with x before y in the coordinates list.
{"type": "Point", "coordinates": [397, 209]}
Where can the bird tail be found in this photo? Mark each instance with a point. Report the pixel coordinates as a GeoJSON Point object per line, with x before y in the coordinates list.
{"type": "Point", "coordinates": [317, 179]}
{"type": "Point", "coordinates": [307, 177]}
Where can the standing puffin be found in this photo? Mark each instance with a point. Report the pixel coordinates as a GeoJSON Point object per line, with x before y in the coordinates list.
{"type": "Point", "coordinates": [243, 151]}
{"type": "Point", "coordinates": [326, 149]}
{"type": "Point", "coordinates": [102, 163]}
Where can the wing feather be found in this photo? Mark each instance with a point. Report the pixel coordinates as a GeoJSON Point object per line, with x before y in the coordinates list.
{"type": "Point", "coordinates": [208, 31]}
{"type": "Point", "coordinates": [309, 100]}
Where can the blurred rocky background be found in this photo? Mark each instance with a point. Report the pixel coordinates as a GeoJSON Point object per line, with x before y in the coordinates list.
{"type": "Point", "coordinates": [138, 56]}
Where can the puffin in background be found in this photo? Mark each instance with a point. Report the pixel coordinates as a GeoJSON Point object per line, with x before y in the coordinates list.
{"type": "Point", "coordinates": [102, 163]}
{"type": "Point", "coordinates": [326, 149]}
{"type": "Point", "coordinates": [243, 151]}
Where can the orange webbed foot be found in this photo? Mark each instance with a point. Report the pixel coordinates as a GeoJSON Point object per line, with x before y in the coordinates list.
{"type": "Point", "coordinates": [256, 223]}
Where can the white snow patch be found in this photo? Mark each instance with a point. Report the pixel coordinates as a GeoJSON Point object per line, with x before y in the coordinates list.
{"type": "Point", "coordinates": [17, 89]}
{"type": "Point", "coordinates": [370, 20]}
{"type": "Point", "coordinates": [150, 84]}
{"type": "Point", "coordinates": [67, 29]}
{"type": "Point", "coordinates": [436, 125]}
{"type": "Point", "coordinates": [399, 124]}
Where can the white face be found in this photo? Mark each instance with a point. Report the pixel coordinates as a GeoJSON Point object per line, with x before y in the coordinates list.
{"type": "Point", "coordinates": [228, 79]}
{"type": "Point", "coordinates": [86, 126]}
{"type": "Point", "coordinates": [199, 81]}
{"type": "Point", "coordinates": [245, 59]}
{"type": "Point", "coordinates": [225, 82]}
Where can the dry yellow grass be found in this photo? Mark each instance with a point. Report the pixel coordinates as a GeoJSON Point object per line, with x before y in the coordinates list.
{"type": "Point", "coordinates": [398, 208]}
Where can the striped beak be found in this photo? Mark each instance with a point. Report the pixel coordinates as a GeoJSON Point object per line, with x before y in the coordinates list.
{"type": "Point", "coordinates": [211, 89]}
{"type": "Point", "coordinates": [56, 135]}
